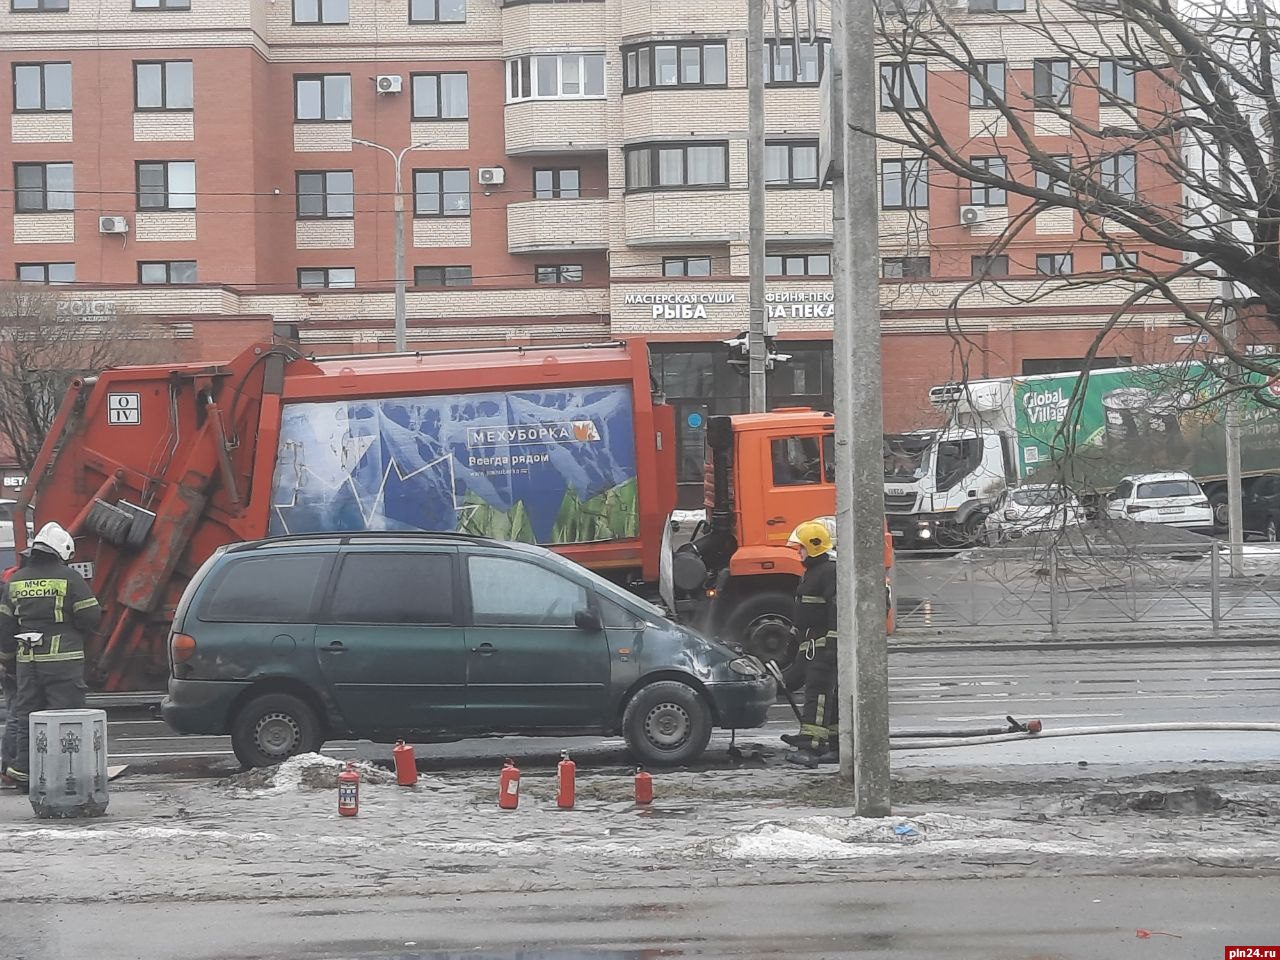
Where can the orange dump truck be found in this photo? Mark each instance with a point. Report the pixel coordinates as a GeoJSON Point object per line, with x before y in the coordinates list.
{"type": "Point", "coordinates": [155, 467]}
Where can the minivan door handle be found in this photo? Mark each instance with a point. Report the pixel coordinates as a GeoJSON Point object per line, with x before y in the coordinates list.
{"type": "Point", "coordinates": [485, 649]}
{"type": "Point", "coordinates": [337, 646]}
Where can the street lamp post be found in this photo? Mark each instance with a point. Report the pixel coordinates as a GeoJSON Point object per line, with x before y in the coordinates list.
{"type": "Point", "coordinates": [402, 332]}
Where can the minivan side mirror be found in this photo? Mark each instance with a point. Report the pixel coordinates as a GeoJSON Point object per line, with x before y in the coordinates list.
{"type": "Point", "coordinates": [588, 621]}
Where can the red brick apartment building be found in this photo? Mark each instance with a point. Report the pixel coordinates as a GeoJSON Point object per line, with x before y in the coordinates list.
{"type": "Point", "coordinates": [581, 174]}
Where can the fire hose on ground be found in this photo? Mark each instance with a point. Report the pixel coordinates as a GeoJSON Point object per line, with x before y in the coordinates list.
{"type": "Point", "coordinates": [1033, 729]}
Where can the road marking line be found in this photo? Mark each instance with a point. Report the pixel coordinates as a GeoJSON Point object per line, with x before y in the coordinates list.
{"type": "Point", "coordinates": [203, 753]}
{"type": "Point", "coordinates": [1038, 716]}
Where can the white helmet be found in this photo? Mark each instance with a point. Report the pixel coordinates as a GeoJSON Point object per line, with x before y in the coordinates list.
{"type": "Point", "coordinates": [53, 538]}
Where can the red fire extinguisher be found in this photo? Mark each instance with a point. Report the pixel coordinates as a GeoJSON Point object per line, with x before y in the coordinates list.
{"type": "Point", "coordinates": [509, 785]}
{"type": "Point", "coordinates": [644, 787]}
{"type": "Point", "coordinates": [568, 786]}
{"type": "Point", "coordinates": [406, 766]}
{"type": "Point", "coordinates": [349, 791]}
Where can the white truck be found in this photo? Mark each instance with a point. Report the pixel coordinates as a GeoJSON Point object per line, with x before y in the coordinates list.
{"type": "Point", "coordinates": [941, 484]}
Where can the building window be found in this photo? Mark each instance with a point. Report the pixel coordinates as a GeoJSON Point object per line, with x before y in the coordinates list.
{"type": "Point", "coordinates": [167, 185]}
{"type": "Point", "coordinates": [1120, 261]}
{"type": "Point", "coordinates": [442, 193]}
{"type": "Point", "coordinates": [989, 266]}
{"type": "Point", "coordinates": [325, 97]}
{"type": "Point", "coordinates": [326, 194]}
{"type": "Point", "coordinates": [557, 183]}
{"type": "Point", "coordinates": [798, 265]}
{"type": "Point", "coordinates": [326, 278]}
{"type": "Point", "coordinates": [792, 64]}
{"type": "Point", "coordinates": [791, 164]}
{"type": "Point", "coordinates": [986, 194]}
{"type": "Point", "coordinates": [22, 6]}
{"type": "Point", "coordinates": [997, 6]}
{"type": "Point", "coordinates": [993, 72]}
{"type": "Point", "coordinates": [904, 184]}
{"type": "Point", "coordinates": [437, 11]}
{"type": "Point", "coordinates": [44, 187]}
{"type": "Point", "coordinates": [1053, 264]}
{"type": "Point", "coordinates": [320, 11]}
{"type": "Point", "coordinates": [163, 85]}
{"type": "Point", "coordinates": [686, 266]}
{"type": "Point", "coordinates": [1116, 81]}
{"type": "Point", "coordinates": [162, 4]}
{"type": "Point", "coordinates": [1053, 182]}
{"type": "Point", "coordinates": [558, 273]}
{"type": "Point", "coordinates": [167, 271]}
{"type": "Point", "coordinates": [674, 166]}
{"type": "Point", "coordinates": [1052, 84]}
{"type": "Point", "coordinates": [904, 268]}
{"type": "Point", "coordinates": [555, 76]}
{"type": "Point", "coordinates": [439, 96]}
{"type": "Point", "coordinates": [46, 273]}
{"type": "Point", "coordinates": [1119, 174]}
{"type": "Point", "coordinates": [903, 86]}
{"type": "Point", "coordinates": [442, 276]}
{"type": "Point", "coordinates": [693, 64]}
{"type": "Point", "coordinates": [41, 87]}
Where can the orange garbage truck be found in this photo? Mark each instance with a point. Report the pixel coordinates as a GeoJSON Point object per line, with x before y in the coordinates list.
{"type": "Point", "coordinates": [153, 468]}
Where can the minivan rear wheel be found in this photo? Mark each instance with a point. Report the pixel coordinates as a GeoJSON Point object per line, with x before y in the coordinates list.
{"type": "Point", "coordinates": [273, 727]}
{"type": "Point", "coordinates": [667, 722]}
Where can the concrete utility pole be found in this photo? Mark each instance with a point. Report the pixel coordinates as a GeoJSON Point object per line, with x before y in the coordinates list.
{"type": "Point", "coordinates": [859, 415]}
{"type": "Point", "coordinates": [402, 329]}
{"type": "Point", "coordinates": [1235, 491]}
{"type": "Point", "coordinates": [755, 200]}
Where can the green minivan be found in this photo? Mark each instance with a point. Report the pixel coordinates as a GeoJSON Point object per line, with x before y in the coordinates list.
{"type": "Point", "coordinates": [426, 637]}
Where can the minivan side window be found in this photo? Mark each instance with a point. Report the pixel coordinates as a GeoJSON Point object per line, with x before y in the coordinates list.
{"type": "Point", "coordinates": [394, 588]}
{"type": "Point", "coordinates": [511, 592]}
{"type": "Point", "coordinates": [276, 589]}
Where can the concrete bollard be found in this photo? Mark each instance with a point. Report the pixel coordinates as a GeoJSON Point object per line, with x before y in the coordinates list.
{"type": "Point", "coordinates": [68, 763]}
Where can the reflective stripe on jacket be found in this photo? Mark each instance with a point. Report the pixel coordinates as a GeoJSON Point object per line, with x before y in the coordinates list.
{"type": "Point", "coordinates": [48, 598]}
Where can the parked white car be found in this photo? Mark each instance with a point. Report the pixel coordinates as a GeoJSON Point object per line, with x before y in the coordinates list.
{"type": "Point", "coordinates": [1174, 499]}
{"type": "Point", "coordinates": [1034, 508]}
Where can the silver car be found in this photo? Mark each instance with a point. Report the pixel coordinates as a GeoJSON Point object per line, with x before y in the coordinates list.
{"type": "Point", "coordinates": [1034, 508]}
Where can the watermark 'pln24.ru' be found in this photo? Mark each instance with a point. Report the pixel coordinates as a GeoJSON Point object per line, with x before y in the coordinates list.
{"type": "Point", "coordinates": [1253, 953]}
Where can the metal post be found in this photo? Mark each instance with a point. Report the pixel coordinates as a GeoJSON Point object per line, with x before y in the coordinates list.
{"type": "Point", "coordinates": [1053, 590]}
{"type": "Point", "coordinates": [402, 331]}
{"type": "Point", "coordinates": [1235, 516]}
{"type": "Point", "coordinates": [755, 199]}
{"type": "Point", "coordinates": [402, 324]}
{"type": "Point", "coordinates": [1215, 588]}
{"type": "Point", "coordinates": [860, 422]}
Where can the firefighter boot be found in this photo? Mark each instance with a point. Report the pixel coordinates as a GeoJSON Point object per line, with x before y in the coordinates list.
{"type": "Point", "coordinates": [804, 757]}
{"type": "Point", "coordinates": [795, 739]}
{"type": "Point", "coordinates": [833, 751]}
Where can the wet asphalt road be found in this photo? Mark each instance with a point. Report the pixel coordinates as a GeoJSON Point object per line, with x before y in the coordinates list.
{"type": "Point", "coordinates": [948, 688]}
{"type": "Point", "coordinates": [1026, 919]}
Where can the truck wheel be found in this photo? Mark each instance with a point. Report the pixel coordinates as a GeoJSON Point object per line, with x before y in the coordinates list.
{"type": "Point", "coordinates": [1221, 510]}
{"type": "Point", "coordinates": [762, 624]}
{"type": "Point", "coordinates": [271, 728]}
{"type": "Point", "coordinates": [667, 722]}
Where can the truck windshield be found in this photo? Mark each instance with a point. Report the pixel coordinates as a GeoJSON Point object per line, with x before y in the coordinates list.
{"type": "Point", "coordinates": [956, 460]}
{"type": "Point", "coordinates": [904, 457]}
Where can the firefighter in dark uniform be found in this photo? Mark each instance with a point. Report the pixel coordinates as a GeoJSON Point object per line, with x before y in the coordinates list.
{"type": "Point", "coordinates": [815, 621]}
{"type": "Point", "coordinates": [46, 613]}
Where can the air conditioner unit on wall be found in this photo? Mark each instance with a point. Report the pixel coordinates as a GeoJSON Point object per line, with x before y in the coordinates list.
{"type": "Point", "coordinates": [493, 176]}
{"type": "Point", "coordinates": [113, 225]}
{"type": "Point", "coordinates": [971, 215]}
{"type": "Point", "coordinates": [389, 83]}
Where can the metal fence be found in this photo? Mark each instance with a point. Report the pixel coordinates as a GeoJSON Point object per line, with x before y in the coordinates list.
{"type": "Point", "coordinates": [1065, 587]}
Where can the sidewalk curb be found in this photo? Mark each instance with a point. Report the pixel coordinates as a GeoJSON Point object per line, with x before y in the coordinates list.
{"type": "Point", "coordinates": [921, 645]}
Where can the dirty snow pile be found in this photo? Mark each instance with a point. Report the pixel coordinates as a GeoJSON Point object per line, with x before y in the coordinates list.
{"type": "Point", "coordinates": [847, 838]}
{"type": "Point", "coordinates": [306, 771]}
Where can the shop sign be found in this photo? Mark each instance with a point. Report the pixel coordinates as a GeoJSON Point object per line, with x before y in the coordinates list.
{"type": "Point", "coordinates": [801, 304]}
{"type": "Point", "coordinates": [680, 306]}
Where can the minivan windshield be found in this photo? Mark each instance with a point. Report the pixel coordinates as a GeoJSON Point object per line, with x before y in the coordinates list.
{"type": "Point", "coordinates": [614, 592]}
{"type": "Point", "coordinates": [1168, 488]}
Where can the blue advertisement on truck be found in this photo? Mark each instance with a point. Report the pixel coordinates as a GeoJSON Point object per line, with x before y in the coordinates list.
{"type": "Point", "coordinates": [551, 466]}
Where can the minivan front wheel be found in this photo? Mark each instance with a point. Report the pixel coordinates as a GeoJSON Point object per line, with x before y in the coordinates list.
{"type": "Point", "coordinates": [271, 728]}
{"type": "Point", "coordinates": [667, 722]}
